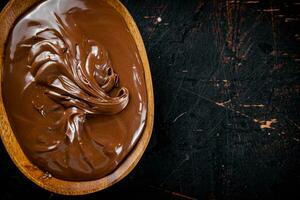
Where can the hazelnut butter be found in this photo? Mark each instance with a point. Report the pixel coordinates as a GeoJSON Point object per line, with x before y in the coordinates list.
{"type": "Point", "coordinates": [74, 88]}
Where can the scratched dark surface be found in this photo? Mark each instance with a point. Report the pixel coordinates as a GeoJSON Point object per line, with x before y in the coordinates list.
{"type": "Point", "coordinates": [226, 82]}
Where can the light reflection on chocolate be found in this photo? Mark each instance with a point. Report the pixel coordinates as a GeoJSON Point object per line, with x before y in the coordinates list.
{"type": "Point", "coordinates": [74, 88]}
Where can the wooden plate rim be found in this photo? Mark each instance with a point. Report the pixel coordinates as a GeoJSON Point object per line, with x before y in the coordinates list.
{"type": "Point", "coordinates": [8, 15]}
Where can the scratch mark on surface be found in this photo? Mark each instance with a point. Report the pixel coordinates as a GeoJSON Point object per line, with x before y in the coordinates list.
{"type": "Point", "coordinates": [296, 139]}
{"type": "Point", "coordinates": [187, 157]}
{"type": "Point", "coordinates": [149, 17]}
{"type": "Point", "coordinates": [178, 117]}
{"type": "Point", "coordinates": [158, 40]}
{"type": "Point", "coordinates": [183, 196]}
{"type": "Point", "coordinates": [198, 130]}
{"type": "Point", "coordinates": [266, 124]}
{"type": "Point", "coordinates": [252, 105]}
{"type": "Point", "coordinates": [230, 22]}
{"type": "Point", "coordinates": [222, 104]}
{"type": "Point", "coordinates": [274, 33]}
{"type": "Point", "coordinates": [289, 19]}
{"type": "Point", "coordinates": [251, 2]}
{"type": "Point", "coordinates": [226, 83]}
{"type": "Point", "coordinates": [271, 10]}
{"type": "Point", "coordinates": [287, 118]}
{"type": "Point", "coordinates": [234, 1]}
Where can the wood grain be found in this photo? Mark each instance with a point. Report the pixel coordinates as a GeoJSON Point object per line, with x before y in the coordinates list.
{"type": "Point", "coordinates": [8, 16]}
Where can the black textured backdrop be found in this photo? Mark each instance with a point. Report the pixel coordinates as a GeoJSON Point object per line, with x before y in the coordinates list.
{"type": "Point", "coordinates": [226, 82]}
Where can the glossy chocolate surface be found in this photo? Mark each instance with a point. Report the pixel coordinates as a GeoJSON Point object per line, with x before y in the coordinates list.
{"type": "Point", "coordinates": [74, 88]}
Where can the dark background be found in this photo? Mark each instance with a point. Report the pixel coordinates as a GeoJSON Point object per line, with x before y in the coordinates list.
{"type": "Point", "coordinates": [226, 82]}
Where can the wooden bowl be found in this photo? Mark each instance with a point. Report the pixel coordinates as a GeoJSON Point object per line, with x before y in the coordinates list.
{"type": "Point", "coordinates": [7, 18]}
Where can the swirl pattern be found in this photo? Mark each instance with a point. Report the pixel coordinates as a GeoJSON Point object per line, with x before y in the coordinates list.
{"type": "Point", "coordinates": [74, 88]}
{"type": "Point", "coordinates": [78, 77]}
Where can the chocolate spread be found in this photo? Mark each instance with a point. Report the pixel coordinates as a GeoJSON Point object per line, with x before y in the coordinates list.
{"type": "Point", "coordinates": [74, 88]}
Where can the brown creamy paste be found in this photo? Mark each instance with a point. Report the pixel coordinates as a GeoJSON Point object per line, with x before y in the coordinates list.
{"type": "Point", "coordinates": [74, 88]}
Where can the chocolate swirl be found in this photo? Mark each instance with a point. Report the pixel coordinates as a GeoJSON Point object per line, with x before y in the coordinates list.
{"type": "Point", "coordinates": [64, 99]}
{"type": "Point", "coordinates": [79, 77]}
